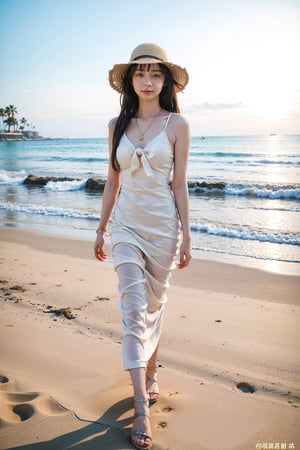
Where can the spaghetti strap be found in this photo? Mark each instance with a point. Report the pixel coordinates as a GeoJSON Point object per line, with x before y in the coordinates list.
{"type": "Point", "coordinates": [168, 119]}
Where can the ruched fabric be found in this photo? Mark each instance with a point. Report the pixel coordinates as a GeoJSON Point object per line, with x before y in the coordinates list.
{"type": "Point", "coordinates": [144, 236]}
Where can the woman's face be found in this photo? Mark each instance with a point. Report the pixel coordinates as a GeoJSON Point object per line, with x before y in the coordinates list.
{"type": "Point", "coordinates": [148, 81]}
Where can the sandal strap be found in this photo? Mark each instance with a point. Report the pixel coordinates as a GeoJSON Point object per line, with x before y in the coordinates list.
{"type": "Point", "coordinates": [141, 414]}
{"type": "Point", "coordinates": [150, 380]}
{"type": "Point", "coordinates": [137, 432]}
{"type": "Point", "coordinates": [153, 379]}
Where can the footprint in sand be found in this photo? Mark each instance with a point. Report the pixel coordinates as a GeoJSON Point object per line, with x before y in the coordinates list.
{"type": "Point", "coordinates": [246, 387]}
{"type": "Point", "coordinates": [22, 412]}
{"type": "Point", "coordinates": [21, 406]}
{"type": "Point", "coordinates": [163, 411]}
{"type": "Point", "coordinates": [3, 379]}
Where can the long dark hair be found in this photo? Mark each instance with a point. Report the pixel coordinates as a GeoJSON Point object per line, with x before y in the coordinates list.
{"type": "Point", "coordinates": [130, 104]}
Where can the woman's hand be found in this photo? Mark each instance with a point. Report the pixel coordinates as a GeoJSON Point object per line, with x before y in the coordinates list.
{"type": "Point", "coordinates": [100, 254]}
{"type": "Point", "coordinates": [185, 254]}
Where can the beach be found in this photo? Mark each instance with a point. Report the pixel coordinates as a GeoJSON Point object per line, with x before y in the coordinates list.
{"type": "Point", "coordinates": [229, 354]}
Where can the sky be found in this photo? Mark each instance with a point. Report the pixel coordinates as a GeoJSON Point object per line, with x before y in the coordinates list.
{"type": "Point", "coordinates": [242, 57]}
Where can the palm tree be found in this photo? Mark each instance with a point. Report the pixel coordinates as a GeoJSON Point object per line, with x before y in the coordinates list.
{"type": "Point", "coordinates": [15, 123]}
{"type": "Point", "coordinates": [10, 121]}
{"type": "Point", "coordinates": [2, 115]}
{"type": "Point", "coordinates": [23, 122]}
{"type": "Point", "coordinates": [10, 112]}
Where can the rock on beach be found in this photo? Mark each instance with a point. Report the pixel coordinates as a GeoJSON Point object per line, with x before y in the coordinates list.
{"type": "Point", "coordinates": [92, 184]}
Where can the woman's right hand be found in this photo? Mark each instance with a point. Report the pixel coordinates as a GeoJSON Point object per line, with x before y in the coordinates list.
{"type": "Point", "coordinates": [100, 254]}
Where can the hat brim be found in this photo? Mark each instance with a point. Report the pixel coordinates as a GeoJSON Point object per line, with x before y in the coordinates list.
{"type": "Point", "coordinates": [117, 73]}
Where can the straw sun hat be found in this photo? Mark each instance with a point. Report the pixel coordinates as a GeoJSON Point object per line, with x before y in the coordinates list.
{"type": "Point", "coordinates": [147, 54]}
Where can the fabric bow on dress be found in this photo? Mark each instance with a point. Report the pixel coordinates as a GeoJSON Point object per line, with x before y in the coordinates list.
{"type": "Point", "coordinates": [141, 155]}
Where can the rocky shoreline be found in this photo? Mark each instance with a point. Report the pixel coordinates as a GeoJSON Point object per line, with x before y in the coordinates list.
{"type": "Point", "coordinates": [97, 184]}
{"type": "Point", "coordinates": [92, 184]}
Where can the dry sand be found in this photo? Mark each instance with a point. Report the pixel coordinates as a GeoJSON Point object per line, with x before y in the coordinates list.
{"type": "Point", "coordinates": [228, 329]}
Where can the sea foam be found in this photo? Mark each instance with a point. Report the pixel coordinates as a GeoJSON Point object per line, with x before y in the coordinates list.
{"type": "Point", "coordinates": [248, 235]}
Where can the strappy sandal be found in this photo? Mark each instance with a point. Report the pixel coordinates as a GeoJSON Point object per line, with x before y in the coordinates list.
{"type": "Point", "coordinates": [151, 384]}
{"type": "Point", "coordinates": [136, 433]}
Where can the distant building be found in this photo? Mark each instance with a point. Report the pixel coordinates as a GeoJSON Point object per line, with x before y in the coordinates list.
{"type": "Point", "coordinates": [11, 136]}
{"type": "Point", "coordinates": [29, 134]}
{"type": "Point", "coordinates": [19, 135]}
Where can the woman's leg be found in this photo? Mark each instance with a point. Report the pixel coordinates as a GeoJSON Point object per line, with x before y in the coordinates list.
{"type": "Point", "coordinates": [129, 266]}
{"type": "Point", "coordinates": [153, 360]}
{"type": "Point", "coordinates": [162, 277]}
{"type": "Point", "coordinates": [138, 383]}
{"type": "Point", "coordinates": [141, 429]}
{"type": "Point", "coordinates": [151, 378]}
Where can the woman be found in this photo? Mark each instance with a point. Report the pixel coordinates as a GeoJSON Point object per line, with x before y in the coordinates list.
{"type": "Point", "coordinates": [147, 141]}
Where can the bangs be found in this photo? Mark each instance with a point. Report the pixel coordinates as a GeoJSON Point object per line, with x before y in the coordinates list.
{"type": "Point", "coordinates": [147, 67]}
{"type": "Point", "coordinates": [143, 67]}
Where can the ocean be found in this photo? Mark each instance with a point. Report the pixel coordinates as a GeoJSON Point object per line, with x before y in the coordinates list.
{"type": "Point", "coordinates": [244, 194]}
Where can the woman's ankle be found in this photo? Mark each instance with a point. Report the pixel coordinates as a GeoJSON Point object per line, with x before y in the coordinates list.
{"type": "Point", "coordinates": [151, 372]}
{"type": "Point", "coordinates": [141, 407]}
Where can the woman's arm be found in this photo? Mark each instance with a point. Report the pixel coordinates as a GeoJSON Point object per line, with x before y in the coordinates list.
{"type": "Point", "coordinates": [180, 188]}
{"type": "Point", "coordinates": [110, 194]}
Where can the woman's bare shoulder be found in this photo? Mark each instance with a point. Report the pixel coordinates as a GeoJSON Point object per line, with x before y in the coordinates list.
{"type": "Point", "coordinates": [178, 120]}
{"type": "Point", "coordinates": [112, 123]}
{"type": "Point", "coordinates": [178, 128]}
{"type": "Point", "coordinates": [178, 124]}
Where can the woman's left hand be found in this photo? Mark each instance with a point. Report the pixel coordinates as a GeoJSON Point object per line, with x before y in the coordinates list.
{"type": "Point", "coordinates": [99, 252]}
{"type": "Point", "coordinates": [185, 254]}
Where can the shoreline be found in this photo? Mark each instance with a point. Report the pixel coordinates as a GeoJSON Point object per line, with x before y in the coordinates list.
{"type": "Point", "coordinates": [238, 331]}
{"type": "Point", "coordinates": [259, 283]}
{"type": "Point", "coordinates": [272, 266]}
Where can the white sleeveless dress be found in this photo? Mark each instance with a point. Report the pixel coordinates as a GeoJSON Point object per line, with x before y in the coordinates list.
{"type": "Point", "coordinates": [144, 235]}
